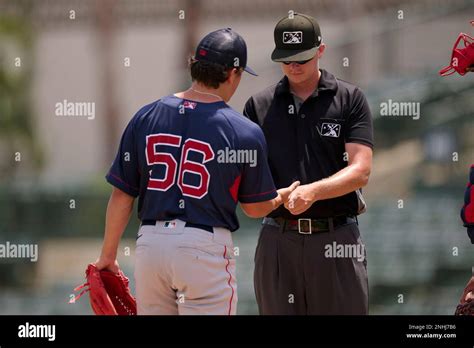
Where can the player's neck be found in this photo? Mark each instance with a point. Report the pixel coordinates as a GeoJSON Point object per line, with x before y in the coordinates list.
{"type": "Point", "coordinates": [305, 88]}
{"type": "Point", "coordinates": [200, 93]}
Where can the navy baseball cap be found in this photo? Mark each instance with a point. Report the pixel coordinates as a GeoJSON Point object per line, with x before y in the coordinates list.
{"type": "Point", "coordinates": [224, 47]}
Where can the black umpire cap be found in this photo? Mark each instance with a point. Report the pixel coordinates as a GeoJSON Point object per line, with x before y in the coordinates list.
{"type": "Point", "coordinates": [224, 47]}
{"type": "Point", "coordinates": [297, 38]}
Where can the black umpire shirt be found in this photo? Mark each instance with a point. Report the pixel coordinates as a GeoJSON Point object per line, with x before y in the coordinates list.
{"type": "Point", "coordinates": [306, 140]}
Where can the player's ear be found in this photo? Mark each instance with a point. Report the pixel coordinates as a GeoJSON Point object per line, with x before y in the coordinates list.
{"type": "Point", "coordinates": [234, 73]}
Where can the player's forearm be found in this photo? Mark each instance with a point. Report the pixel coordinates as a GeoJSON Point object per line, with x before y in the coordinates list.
{"type": "Point", "coordinates": [261, 209]}
{"type": "Point", "coordinates": [118, 214]}
{"type": "Point", "coordinates": [268, 206]}
{"type": "Point", "coordinates": [345, 181]}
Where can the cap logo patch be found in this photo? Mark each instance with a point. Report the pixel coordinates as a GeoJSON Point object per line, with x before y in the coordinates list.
{"type": "Point", "coordinates": [202, 52]}
{"type": "Point", "coordinates": [292, 37]}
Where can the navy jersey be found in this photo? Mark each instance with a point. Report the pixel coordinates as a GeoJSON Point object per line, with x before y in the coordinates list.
{"type": "Point", "coordinates": [192, 161]}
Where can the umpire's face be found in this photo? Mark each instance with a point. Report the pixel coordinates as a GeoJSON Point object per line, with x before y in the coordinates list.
{"type": "Point", "coordinates": [299, 72]}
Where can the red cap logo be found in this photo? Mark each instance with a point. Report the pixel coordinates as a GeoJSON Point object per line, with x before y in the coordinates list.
{"type": "Point", "coordinates": [202, 52]}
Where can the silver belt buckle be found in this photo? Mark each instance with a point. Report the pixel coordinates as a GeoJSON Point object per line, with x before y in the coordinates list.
{"type": "Point", "coordinates": [304, 226]}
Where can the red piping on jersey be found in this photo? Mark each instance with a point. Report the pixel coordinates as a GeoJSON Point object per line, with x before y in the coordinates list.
{"type": "Point", "coordinates": [258, 194]}
{"type": "Point", "coordinates": [123, 182]}
{"type": "Point", "coordinates": [230, 278]}
{"type": "Point", "coordinates": [234, 189]}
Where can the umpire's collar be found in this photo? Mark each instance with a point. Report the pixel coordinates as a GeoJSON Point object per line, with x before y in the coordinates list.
{"type": "Point", "coordinates": [327, 82]}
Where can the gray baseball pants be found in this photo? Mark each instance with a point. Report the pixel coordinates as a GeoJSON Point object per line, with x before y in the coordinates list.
{"type": "Point", "coordinates": [184, 270]}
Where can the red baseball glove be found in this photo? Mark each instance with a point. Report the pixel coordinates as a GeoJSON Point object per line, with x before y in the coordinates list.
{"type": "Point", "coordinates": [108, 292]}
{"type": "Point", "coordinates": [466, 307]}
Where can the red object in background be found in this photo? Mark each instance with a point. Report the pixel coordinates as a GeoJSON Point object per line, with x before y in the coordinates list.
{"type": "Point", "coordinates": [467, 211]}
{"type": "Point", "coordinates": [462, 58]}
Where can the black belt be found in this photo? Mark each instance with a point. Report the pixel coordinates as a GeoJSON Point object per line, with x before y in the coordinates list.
{"type": "Point", "coordinates": [188, 224]}
{"type": "Point", "coordinates": [309, 226]}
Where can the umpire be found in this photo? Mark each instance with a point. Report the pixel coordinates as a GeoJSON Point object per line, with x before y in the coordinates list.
{"type": "Point", "coordinates": [310, 258]}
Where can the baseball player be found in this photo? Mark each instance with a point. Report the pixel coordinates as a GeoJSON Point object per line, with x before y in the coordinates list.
{"type": "Point", "coordinates": [170, 157]}
{"type": "Point", "coordinates": [462, 62]}
{"type": "Point", "coordinates": [467, 215]}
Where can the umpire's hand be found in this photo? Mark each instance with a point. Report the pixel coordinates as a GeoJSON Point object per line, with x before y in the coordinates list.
{"type": "Point", "coordinates": [286, 192]}
{"type": "Point", "coordinates": [300, 199]}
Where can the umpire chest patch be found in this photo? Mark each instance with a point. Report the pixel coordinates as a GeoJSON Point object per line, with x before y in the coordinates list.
{"type": "Point", "coordinates": [332, 130]}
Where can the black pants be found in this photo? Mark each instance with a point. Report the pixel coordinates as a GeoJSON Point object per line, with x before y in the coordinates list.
{"type": "Point", "coordinates": [296, 274]}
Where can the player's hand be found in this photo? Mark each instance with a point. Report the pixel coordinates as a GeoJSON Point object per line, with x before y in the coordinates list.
{"type": "Point", "coordinates": [300, 199]}
{"type": "Point", "coordinates": [286, 191]}
{"type": "Point", "coordinates": [107, 264]}
{"type": "Point", "coordinates": [470, 294]}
